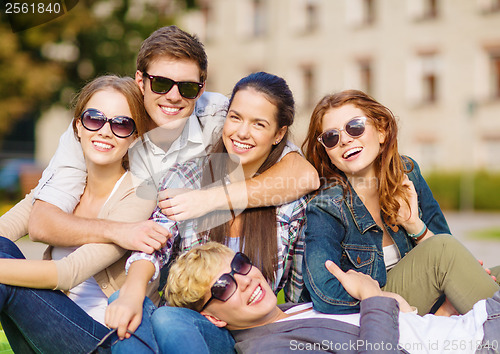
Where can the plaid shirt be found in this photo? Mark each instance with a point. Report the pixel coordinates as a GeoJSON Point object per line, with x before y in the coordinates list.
{"type": "Point", "coordinates": [290, 219]}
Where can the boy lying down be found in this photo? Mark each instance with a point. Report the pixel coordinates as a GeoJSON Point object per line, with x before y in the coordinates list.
{"type": "Point", "coordinates": [230, 292]}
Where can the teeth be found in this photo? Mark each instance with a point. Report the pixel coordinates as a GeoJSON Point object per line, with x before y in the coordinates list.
{"type": "Point", "coordinates": [170, 109]}
{"type": "Point", "coordinates": [351, 152]}
{"type": "Point", "coordinates": [241, 145]}
{"type": "Point", "coordinates": [255, 295]}
{"type": "Point", "coordinates": [102, 145]}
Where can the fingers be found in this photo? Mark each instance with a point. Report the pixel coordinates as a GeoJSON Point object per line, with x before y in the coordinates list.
{"type": "Point", "coordinates": [123, 320]}
{"type": "Point", "coordinates": [335, 270]}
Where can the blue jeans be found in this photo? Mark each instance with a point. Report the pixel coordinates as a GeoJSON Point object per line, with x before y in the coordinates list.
{"type": "Point", "coordinates": [181, 330]}
{"type": "Point", "coordinates": [175, 330]}
{"type": "Point", "coordinates": [134, 345]}
{"type": "Point", "coordinates": [44, 321]}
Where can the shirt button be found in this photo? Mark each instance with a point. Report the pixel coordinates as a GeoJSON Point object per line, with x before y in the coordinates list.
{"type": "Point", "coordinates": [358, 260]}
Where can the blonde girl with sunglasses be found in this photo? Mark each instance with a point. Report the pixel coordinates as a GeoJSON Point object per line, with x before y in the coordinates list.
{"type": "Point", "coordinates": [36, 315]}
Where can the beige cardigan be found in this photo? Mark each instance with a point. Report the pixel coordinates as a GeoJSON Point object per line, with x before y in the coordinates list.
{"type": "Point", "coordinates": [104, 261]}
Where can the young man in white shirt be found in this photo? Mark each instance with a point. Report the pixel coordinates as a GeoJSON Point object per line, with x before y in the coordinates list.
{"type": "Point", "coordinates": [171, 72]}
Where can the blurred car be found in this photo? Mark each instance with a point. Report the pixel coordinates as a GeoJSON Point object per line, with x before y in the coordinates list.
{"type": "Point", "coordinates": [13, 173]}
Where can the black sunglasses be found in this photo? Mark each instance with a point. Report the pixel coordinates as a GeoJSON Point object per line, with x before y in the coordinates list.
{"type": "Point", "coordinates": [226, 285]}
{"type": "Point", "coordinates": [354, 128]}
{"type": "Point", "coordinates": [121, 126]}
{"type": "Point", "coordinates": [161, 85]}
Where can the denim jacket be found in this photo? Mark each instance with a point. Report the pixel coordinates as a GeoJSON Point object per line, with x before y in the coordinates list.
{"type": "Point", "coordinates": [342, 230]}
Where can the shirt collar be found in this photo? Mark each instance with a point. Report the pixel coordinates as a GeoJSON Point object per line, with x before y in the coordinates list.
{"type": "Point", "coordinates": [191, 133]}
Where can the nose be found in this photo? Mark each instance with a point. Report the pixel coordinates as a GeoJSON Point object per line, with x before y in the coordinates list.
{"type": "Point", "coordinates": [243, 281]}
{"type": "Point", "coordinates": [174, 94]}
{"type": "Point", "coordinates": [344, 138]}
{"type": "Point", "coordinates": [106, 129]}
{"type": "Point", "coordinates": [243, 131]}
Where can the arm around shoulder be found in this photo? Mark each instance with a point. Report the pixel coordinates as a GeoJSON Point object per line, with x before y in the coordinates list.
{"type": "Point", "coordinates": [289, 179]}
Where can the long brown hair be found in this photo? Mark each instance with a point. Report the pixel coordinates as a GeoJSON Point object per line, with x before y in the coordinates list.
{"type": "Point", "coordinates": [258, 225]}
{"type": "Point", "coordinates": [389, 165]}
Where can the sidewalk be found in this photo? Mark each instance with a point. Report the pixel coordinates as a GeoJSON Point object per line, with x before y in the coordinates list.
{"type": "Point", "coordinates": [485, 249]}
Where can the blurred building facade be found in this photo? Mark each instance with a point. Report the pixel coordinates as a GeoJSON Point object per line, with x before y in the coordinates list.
{"type": "Point", "coordinates": [434, 63]}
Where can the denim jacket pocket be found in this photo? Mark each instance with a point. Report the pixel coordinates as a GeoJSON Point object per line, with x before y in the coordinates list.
{"type": "Point", "coordinates": [359, 257]}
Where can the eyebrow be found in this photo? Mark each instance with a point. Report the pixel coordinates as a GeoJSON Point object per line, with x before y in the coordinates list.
{"type": "Point", "coordinates": [253, 119]}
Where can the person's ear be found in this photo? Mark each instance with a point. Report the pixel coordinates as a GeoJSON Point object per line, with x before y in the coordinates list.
{"type": "Point", "coordinates": [214, 320]}
{"type": "Point", "coordinates": [79, 128]}
{"type": "Point", "coordinates": [381, 136]}
{"type": "Point", "coordinates": [279, 135]}
{"type": "Point", "coordinates": [140, 80]}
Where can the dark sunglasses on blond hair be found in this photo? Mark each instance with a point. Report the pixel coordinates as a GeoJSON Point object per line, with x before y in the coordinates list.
{"type": "Point", "coordinates": [226, 285]}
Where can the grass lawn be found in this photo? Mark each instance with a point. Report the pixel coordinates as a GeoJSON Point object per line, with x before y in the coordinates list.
{"type": "Point", "coordinates": [485, 234]}
{"type": "Point", "coordinates": [4, 344]}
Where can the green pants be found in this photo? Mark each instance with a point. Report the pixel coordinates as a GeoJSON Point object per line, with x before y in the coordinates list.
{"type": "Point", "coordinates": [441, 265]}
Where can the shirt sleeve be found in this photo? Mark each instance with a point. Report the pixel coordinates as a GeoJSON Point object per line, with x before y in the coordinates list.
{"type": "Point", "coordinates": [63, 181]}
{"type": "Point", "coordinates": [14, 223]}
{"type": "Point", "coordinates": [185, 175]}
{"type": "Point", "coordinates": [379, 326]}
{"type": "Point", "coordinates": [293, 253]}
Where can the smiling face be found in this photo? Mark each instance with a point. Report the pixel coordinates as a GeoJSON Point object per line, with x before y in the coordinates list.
{"type": "Point", "coordinates": [251, 129]}
{"type": "Point", "coordinates": [169, 110]}
{"type": "Point", "coordinates": [252, 304]}
{"type": "Point", "coordinates": [353, 156]}
{"type": "Point", "coordinates": [102, 147]}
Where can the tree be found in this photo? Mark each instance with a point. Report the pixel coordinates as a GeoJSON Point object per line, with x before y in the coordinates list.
{"type": "Point", "coordinates": [48, 63]}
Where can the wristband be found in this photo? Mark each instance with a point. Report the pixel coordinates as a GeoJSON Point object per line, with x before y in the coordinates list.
{"type": "Point", "coordinates": [420, 235]}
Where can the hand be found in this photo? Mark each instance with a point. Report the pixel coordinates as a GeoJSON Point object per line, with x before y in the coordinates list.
{"type": "Point", "coordinates": [124, 314]}
{"type": "Point", "coordinates": [144, 236]}
{"type": "Point", "coordinates": [408, 213]}
{"type": "Point", "coordinates": [404, 306]}
{"type": "Point", "coordinates": [487, 270]}
{"type": "Point", "coordinates": [359, 285]}
{"type": "Point", "coordinates": [184, 204]}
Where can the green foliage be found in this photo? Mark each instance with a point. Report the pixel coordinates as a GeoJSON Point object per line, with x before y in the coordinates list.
{"type": "Point", "coordinates": [486, 234]}
{"type": "Point", "coordinates": [447, 189]}
{"type": "Point", "coordinates": [50, 62]}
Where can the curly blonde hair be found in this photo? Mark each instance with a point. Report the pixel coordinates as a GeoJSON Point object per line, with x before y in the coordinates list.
{"type": "Point", "coordinates": [191, 275]}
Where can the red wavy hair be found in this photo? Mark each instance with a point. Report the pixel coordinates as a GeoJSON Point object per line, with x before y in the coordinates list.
{"type": "Point", "coordinates": [390, 166]}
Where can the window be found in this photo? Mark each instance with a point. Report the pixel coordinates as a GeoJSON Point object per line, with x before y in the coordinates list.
{"type": "Point", "coordinates": [488, 6]}
{"type": "Point", "coordinates": [308, 79]}
{"type": "Point", "coordinates": [365, 75]}
{"type": "Point", "coordinates": [259, 18]}
{"type": "Point", "coordinates": [360, 12]}
{"type": "Point", "coordinates": [495, 71]}
{"type": "Point", "coordinates": [311, 16]}
{"type": "Point", "coordinates": [423, 83]}
{"type": "Point", "coordinates": [491, 158]}
{"type": "Point", "coordinates": [423, 9]}
{"type": "Point", "coordinates": [208, 20]}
